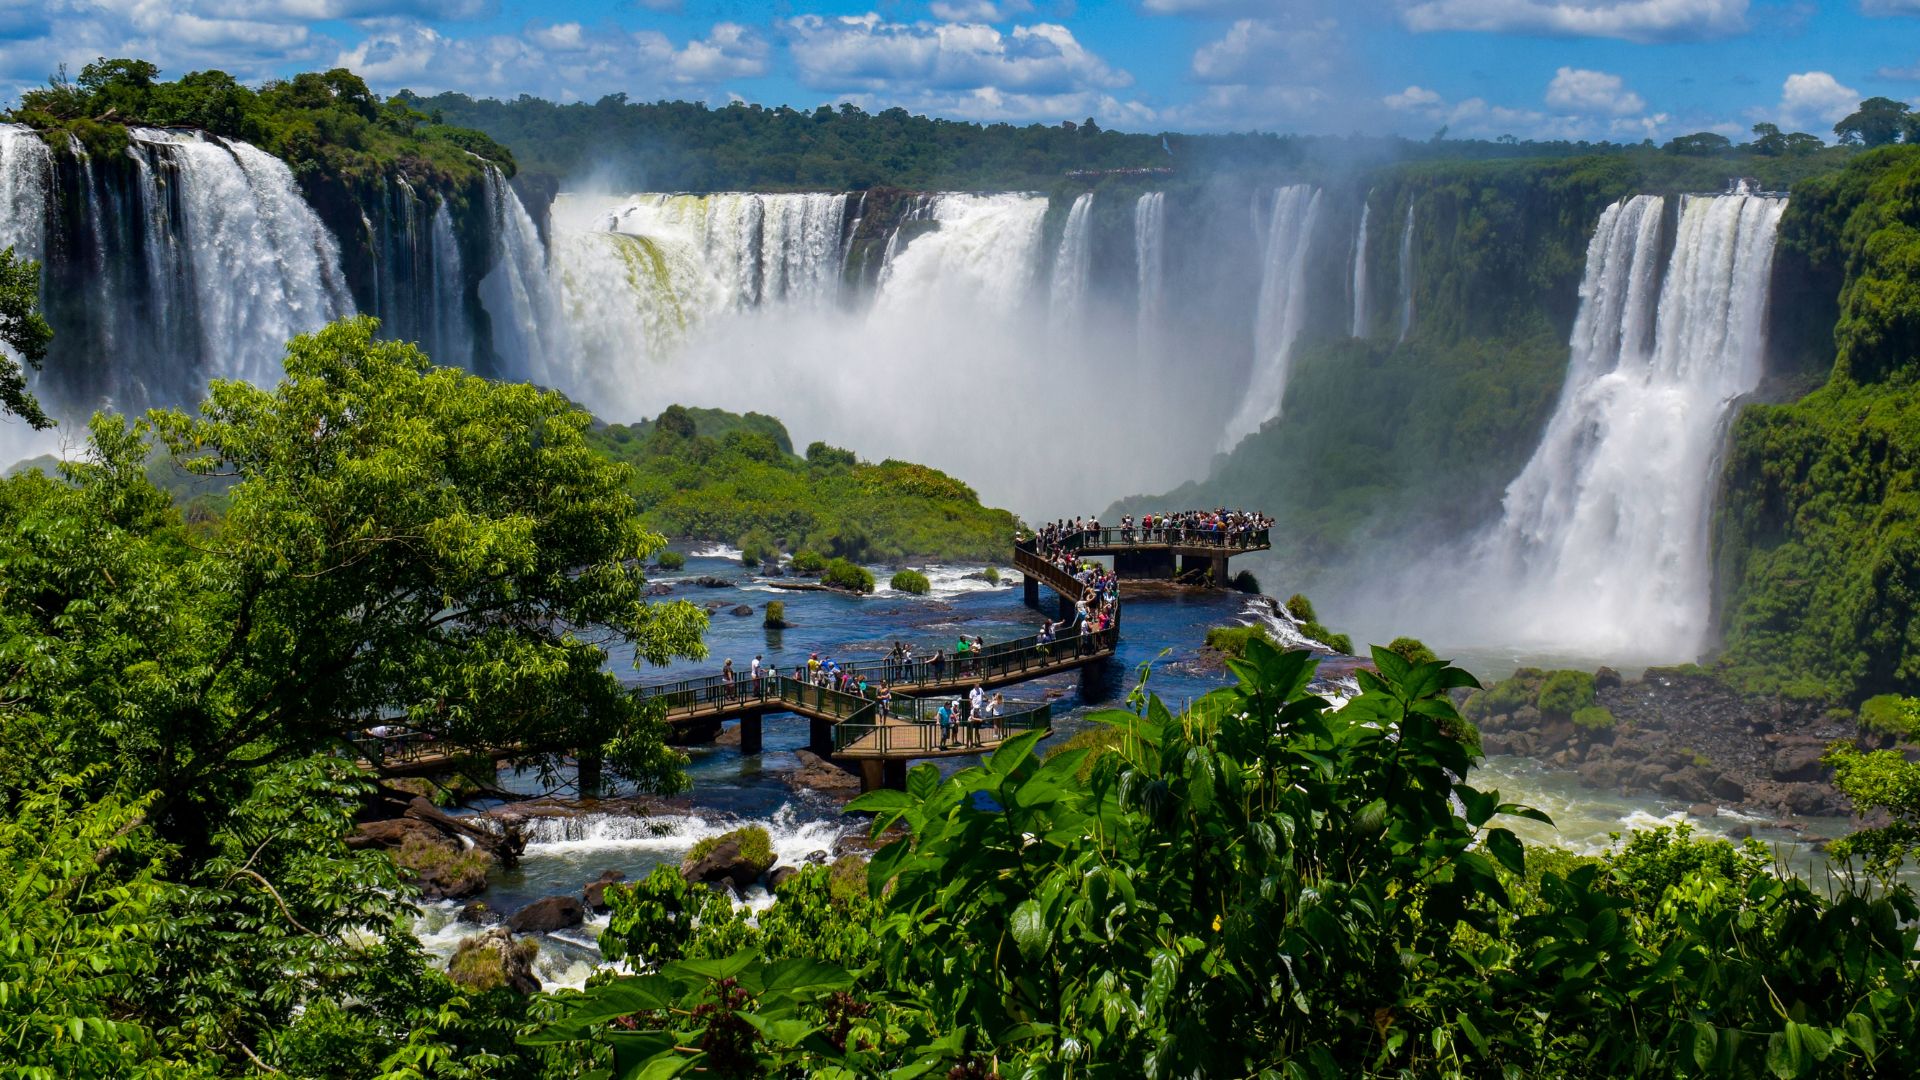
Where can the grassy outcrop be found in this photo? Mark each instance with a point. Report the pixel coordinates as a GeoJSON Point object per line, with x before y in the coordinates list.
{"type": "Point", "coordinates": [709, 475]}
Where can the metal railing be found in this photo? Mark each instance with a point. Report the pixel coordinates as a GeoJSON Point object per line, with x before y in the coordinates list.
{"type": "Point", "coordinates": [1165, 536]}
{"type": "Point", "coordinates": [900, 739]}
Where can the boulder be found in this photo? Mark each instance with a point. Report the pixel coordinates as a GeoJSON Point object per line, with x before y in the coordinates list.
{"type": "Point", "coordinates": [1729, 789]}
{"type": "Point", "coordinates": [659, 588]}
{"type": "Point", "coordinates": [711, 582]}
{"type": "Point", "coordinates": [1703, 810]}
{"type": "Point", "coordinates": [729, 736]}
{"type": "Point", "coordinates": [476, 913]}
{"type": "Point", "coordinates": [546, 915]}
{"type": "Point", "coordinates": [743, 609]}
{"type": "Point", "coordinates": [818, 774]}
{"type": "Point", "coordinates": [595, 894]}
{"type": "Point", "coordinates": [442, 868]}
{"type": "Point", "coordinates": [771, 569]}
{"type": "Point", "coordinates": [1799, 761]}
{"type": "Point", "coordinates": [1688, 784]}
{"type": "Point", "coordinates": [818, 858]}
{"type": "Point", "coordinates": [723, 864]}
{"type": "Point", "coordinates": [1742, 831]}
{"type": "Point", "coordinates": [1606, 679]}
{"type": "Point", "coordinates": [780, 874]}
{"type": "Point", "coordinates": [492, 959]}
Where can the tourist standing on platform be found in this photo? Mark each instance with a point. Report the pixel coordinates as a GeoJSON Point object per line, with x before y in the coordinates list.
{"type": "Point", "coordinates": [976, 709]}
{"type": "Point", "coordinates": [945, 719]}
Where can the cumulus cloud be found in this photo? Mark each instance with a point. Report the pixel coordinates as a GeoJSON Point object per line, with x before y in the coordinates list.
{"type": "Point", "coordinates": [1258, 52]}
{"type": "Point", "coordinates": [566, 61]}
{"type": "Point", "coordinates": [1580, 90]}
{"type": "Point", "coordinates": [1812, 100]}
{"type": "Point", "coordinates": [1413, 97]}
{"type": "Point", "coordinates": [1630, 20]}
{"type": "Point", "coordinates": [986, 11]}
{"type": "Point", "coordinates": [866, 53]}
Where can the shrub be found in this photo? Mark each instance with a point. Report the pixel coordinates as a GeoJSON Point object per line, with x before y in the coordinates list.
{"type": "Point", "coordinates": [483, 968]}
{"type": "Point", "coordinates": [757, 546]}
{"type": "Point", "coordinates": [1890, 714]}
{"type": "Point", "coordinates": [992, 575]}
{"type": "Point", "coordinates": [776, 615]}
{"type": "Point", "coordinates": [842, 574]}
{"type": "Point", "coordinates": [1300, 608]}
{"type": "Point", "coordinates": [1232, 640]}
{"type": "Point", "coordinates": [1566, 692]}
{"type": "Point", "coordinates": [672, 560]}
{"type": "Point", "coordinates": [808, 562]}
{"type": "Point", "coordinates": [1508, 697]}
{"type": "Point", "coordinates": [1593, 718]}
{"type": "Point", "coordinates": [1412, 650]}
{"type": "Point", "coordinates": [1098, 740]}
{"type": "Point", "coordinates": [1325, 635]}
{"type": "Point", "coordinates": [1244, 581]}
{"type": "Point", "coordinates": [847, 879]}
{"type": "Point", "coordinates": [910, 581]}
{"type": "Point", "coordinates": [756, 846]}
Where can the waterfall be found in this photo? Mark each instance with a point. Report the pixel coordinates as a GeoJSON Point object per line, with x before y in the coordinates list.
{"type": "Point", "coordinates": [1406, 275]}
{"type": "Point", "coordinates": [26, 180]}
{"type": "Point", "coordinates": [1150, 259]}
{"type": "Point", "coordinates": [1067, 300]}
{"type": "Point", "coordinates": [1360, 272]}
{"type": "Point", "coordinates": [451, 339]}
{"type": "Point", "coordinates": [1282, 307]}
{"type": "Point", "coordinates": [529, 337]}
{"type": "Point", "coordinates": [985, 249]}
{"type": "Point", "coordinates": [1603, 546]}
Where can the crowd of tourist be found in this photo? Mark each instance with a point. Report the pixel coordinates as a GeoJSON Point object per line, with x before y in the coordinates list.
{"type": "Point", "coordinates": [1210, 528]}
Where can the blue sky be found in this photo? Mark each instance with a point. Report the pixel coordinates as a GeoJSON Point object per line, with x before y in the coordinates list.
{"type": "Point", "coordinates": [1620, 69]}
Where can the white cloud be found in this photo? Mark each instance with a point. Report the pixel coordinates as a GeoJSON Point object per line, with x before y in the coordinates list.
{"type": "Point", "coordinates": [1580, 90]}
{"type": "Point", "coordinates": [1813, 100]}
{"type": "Point", "coordinates": [843, 54]}
{"type": "Point", "coordinates": [1890, 7]}
{"type": "Point", "coordinates": [1195, 7]}
{"type": "Point", "coordinates": [982, 11]}
{"type": "Point", "coordinates": [1911, 73]}
{"type": "Point", "coordinates": [1631, 20]}
{"type": "Point", "coordinates": [1413, 97]}
{"type": "Point", "coordinates": [565, 61]}
{"type": "Point", "coordinates": [1258, 52]}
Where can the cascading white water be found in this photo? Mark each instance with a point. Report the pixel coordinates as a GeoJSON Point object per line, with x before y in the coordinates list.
{"type": "Point", "coordinates": [1150, 267]}
{"type": "Point", "coordinates": [1282, 308]}
{"type": "Point", "coordinates": [1359, 329]}
{"type": "Point", "coordinates": [452, 339]}
{"type": "Point", "coordinates": [529, 337]}
{"type": "Point", "coordinates": [26, 178]}
{"type": "Point", "coordinates": [263, 267]}
{"type": "Point", "coordinates": [985, 249]}
{"type": "Point", "coordinates": [1071, 269]}
{"type": "Point", "coordinates": [1406, 275]}
{"type": "Point", "coordinates": [1602, 550]}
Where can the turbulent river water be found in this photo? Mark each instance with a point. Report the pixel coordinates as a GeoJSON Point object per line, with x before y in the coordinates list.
{"type": "Point", "coordinates": [1163, 628]}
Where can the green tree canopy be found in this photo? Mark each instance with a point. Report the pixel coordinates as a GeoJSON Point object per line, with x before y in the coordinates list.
{"type": "Point", "coordinates": [1878, 122]}
{"type": "Point", "coordinates": [402, 542]}
{"type": "Point", "coordinates": [23, 330]}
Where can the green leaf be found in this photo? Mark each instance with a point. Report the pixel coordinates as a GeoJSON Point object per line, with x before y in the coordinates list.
{"type": "Point", "coordinates": [1507, 848]}
{"type": "Point", "coordinates": [1519, 811]}
{"type": "Point", "coordinates": [885, 800]}
{"type": "Point", "coordinates": [803, 973]}
{"type": "Point", "coordinates": [1785, 1057]}
{"type": "Point", "coordinates": [1011, 753]}
{"type": "Point", "coordinates": [725, 967]}
{"type": "Point", "coordinates": [1029, 929]}
{"type": "Point", "coordinates": [922, 781]}
{"type": "Point", "coordinates": [1860, 1032]}
{"type": "Point", "coordinates": [1705, 1041]}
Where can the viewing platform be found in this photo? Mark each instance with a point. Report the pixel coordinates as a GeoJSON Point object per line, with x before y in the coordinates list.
{"type": "Point", "coordinates": [853, 729]}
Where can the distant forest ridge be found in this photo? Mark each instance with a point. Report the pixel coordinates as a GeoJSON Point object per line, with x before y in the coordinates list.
{"type": "Point", "coordinates": [688, 146]}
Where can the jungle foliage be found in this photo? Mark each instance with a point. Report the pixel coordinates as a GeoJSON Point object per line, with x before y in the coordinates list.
{"type": "Point", "coordinates": [709, 475]}
{"type": "Point", "coordinates": [1267, 886]}
{"type": "Point", "coordinates": [327, 123]}
{"type": "Point", "coordinates": [1818, 533]}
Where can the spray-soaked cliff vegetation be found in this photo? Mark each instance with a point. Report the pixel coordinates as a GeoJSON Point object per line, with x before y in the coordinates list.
{"type": "Point", "coordinates": [1818, 535]}
{"type": "Point", "coordinates": [705, 474]}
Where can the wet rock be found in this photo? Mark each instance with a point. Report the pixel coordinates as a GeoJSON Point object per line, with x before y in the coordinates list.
{"type": "Point", "coordinates": [476, 913]}
{"type": "Point", "coordinates": [818, 857]}
{"type": "Point", "coordinates": [771, 569]}
{"type": "Point", "coordinates": [711, 582]}
{"type": "Point", "coordinates": [724, 863]}
{"type": "Point", "coordinates": [729, 736]}
{"type": "Point", "coordinates": [547, 915]}
{"type": "Point", "coordinates": [659, 588]}
{"type": "Point", "coordinates": [1730, 789]}
{"type": "Point", "coordinates": [1606, 679]}
{"type": "Point", "coordinates": [1688, 784]}
{"type": "Point", "coordinates": [492, 959]}
{"type": "Point", "coordinates": [780, 874]}
{"type": "Point", "coordinates": [595, 894]}
{"type": "Point", "coordinates": [715, 605]}
{"type": "Point", "coordinates": [1799, 761]}
{"type": "Point", "coordinates": [441, 868]}
{"type": "Point", "coordinates": [743, 609]}
{"type": "Point", "coordinates": [818, 774]}
{"type": "Point", "coordinates": [1742, 831]}
{"type": "Point", "coordinates": [1703, 810]}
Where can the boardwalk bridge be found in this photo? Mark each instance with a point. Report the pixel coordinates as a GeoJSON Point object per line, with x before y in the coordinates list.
{"type": "Point", "coordinates": [855, 730]}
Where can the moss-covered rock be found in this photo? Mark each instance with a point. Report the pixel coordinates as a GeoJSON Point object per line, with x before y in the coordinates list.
{"type": "Point", "coordinates": [493, 959]}
{"type": "Point", "coordinates": [910, 581]}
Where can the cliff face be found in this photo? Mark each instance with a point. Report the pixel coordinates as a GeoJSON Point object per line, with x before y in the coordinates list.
{"type": "Point", "coordinates": [1817, 542]}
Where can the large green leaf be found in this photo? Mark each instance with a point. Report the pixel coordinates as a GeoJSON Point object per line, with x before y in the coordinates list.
{"type": "Point", "coordinates": [725, 967]}
{"type": "Point", "coordinates": [1029, 929]}
{"type": "Point", "coordinates": [800, 973]}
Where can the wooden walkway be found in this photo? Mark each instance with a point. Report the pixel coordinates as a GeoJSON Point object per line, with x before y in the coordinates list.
{"type": "Point", "coordinates": [853, 728]}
